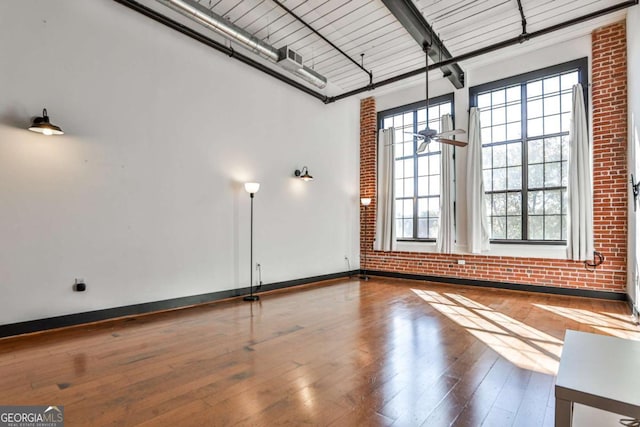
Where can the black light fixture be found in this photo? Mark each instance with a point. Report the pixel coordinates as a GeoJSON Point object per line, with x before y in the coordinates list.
{"type": "Point", "coordinates": [251, 188]}
{"type": "Point", "coordinates": [44, 126]}
{"type": "Point", "coordinates": [303, 174]}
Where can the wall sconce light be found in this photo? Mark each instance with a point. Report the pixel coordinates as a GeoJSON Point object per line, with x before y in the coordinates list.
{"type": "Point", "coordinates": [303, 174]}
{"type": "Point", "coordinates": [44, 126]}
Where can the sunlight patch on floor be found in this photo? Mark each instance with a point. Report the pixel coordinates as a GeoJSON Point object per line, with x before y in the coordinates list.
{"type": "Point", "coordinates": [524, 346]}
{"type": "Point", "coordinates": [613, 324]}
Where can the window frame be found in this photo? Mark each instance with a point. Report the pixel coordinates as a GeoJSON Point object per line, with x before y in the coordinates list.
{"type": "Point", "coordinates": [413, 108]}
{"type": "Point", "coordinates": [581, 65]}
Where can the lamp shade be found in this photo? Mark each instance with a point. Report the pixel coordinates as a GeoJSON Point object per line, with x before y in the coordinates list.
{"type": "Point", "coordinates": [44, 126]}
{"type": "Point", "coordinates": [366, 201]}
{"type": "Point", "coordinates": [251, 187]}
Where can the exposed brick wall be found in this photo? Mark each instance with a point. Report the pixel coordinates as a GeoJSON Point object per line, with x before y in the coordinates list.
{"type": "Point", "coordinates": [368, 139]}
{"type": "Point", "coordinates": [610, 130]}
{"type": "Point", "coordinates": [609, 100]}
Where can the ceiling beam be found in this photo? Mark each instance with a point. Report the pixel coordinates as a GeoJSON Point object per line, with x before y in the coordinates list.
{"type": "Point", "coordinates": [412, 20]}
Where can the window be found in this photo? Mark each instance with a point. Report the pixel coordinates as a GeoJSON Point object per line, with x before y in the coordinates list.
{"type": "Point", "coordinates": [524, 125]}
{"type": "Point", "coordinates": [416, 176]}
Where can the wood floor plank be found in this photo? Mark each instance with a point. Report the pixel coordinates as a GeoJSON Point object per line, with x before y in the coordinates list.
{"type": "Point", "coordinates": [452, 405]}
{"type": "Point", "coordinates": [478, 406]}
{"type": "Point", "coordinates": [386, 352]}
{"type": "Point", "coordinates": [499, 417]}
{"type": "Point", "coordinates": [534, 402]}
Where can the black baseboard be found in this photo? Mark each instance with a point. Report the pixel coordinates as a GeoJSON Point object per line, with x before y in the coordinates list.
{"type": "Point", "coordinates": [608, 295]}
{"type": "Point", "coordinates": [75, 319]}
{"type": "Point", "coordinates": [305, 281]}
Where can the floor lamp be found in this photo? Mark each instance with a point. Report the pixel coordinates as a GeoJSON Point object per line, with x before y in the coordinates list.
{"type": "Point", "coordinates": [251, 188]}
{"type": "Point", "coordinates": [366, 201]}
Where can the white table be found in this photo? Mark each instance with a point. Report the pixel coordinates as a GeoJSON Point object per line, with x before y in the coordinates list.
{"type": "Point", "coordinates": [598, 371]}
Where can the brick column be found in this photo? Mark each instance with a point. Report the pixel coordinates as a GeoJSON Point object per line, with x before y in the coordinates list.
{"type": "Point", "coordinates": [610, 175]}
{"type": "Point", "coordinates": [368, 131]}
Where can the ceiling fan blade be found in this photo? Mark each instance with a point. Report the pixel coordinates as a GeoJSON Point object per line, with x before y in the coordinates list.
{"type": "Point", "coordinates": [423, 146]}
{"type": "Point", "coordinates": [451, 132]}
{"type": "Point", "coordinates": [417, 135]}
{"type": "Point", "coordinates": [452, 142]}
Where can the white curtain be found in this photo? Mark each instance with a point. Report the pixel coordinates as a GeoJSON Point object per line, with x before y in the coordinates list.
{"type": "Point", "coordinates": [580, 209]}
{"type": "Point", "coordinates": [446, 232]}
{"type": "Point", "coordinates": [385, 202]}
{"type": "Point", "coordinates": [477, 220]}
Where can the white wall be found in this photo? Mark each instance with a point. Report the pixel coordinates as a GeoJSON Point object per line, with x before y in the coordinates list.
{"type": "Point", "coordinates": [479, 72]}
{"type": "Point", "coordinates": [142, 197]}
{"type": "Point", "coordinates": [633, 63]}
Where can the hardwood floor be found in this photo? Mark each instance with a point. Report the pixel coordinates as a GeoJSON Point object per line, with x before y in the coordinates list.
{"type": "Point", "coordinates": [345, 353]}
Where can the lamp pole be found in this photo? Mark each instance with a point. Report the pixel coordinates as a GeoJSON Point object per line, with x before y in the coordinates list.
{"type": "Point", "coordinates": [365, 201]}
{"type": "Point", "coordinates": [251, 188]}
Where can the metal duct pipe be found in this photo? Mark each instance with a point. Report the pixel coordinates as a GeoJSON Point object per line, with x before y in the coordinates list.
{"type": "Point", "coordinates": [311, 76]}
{"type": "Point", "coordinates": [204, 16]}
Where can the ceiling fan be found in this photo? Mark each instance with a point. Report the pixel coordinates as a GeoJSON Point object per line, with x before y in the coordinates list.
{"type": "Point", "coordinates": [428, 135]}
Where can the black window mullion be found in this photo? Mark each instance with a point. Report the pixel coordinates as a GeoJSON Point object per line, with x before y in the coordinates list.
{"type": "Point", "coordinates": [544, 174]}
{"type": "Point", "coordinates": [525, 163]}
{"type": "Point", "coordinates": [555, 188]}
{"type": "Point", "coordinates": [544, 166]}
{"type": "Point", "coordinates": [415, 174]}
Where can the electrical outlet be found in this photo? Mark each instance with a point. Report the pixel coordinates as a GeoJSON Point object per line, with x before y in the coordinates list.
{"type": "Point", "coordinates": [79, 285]}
